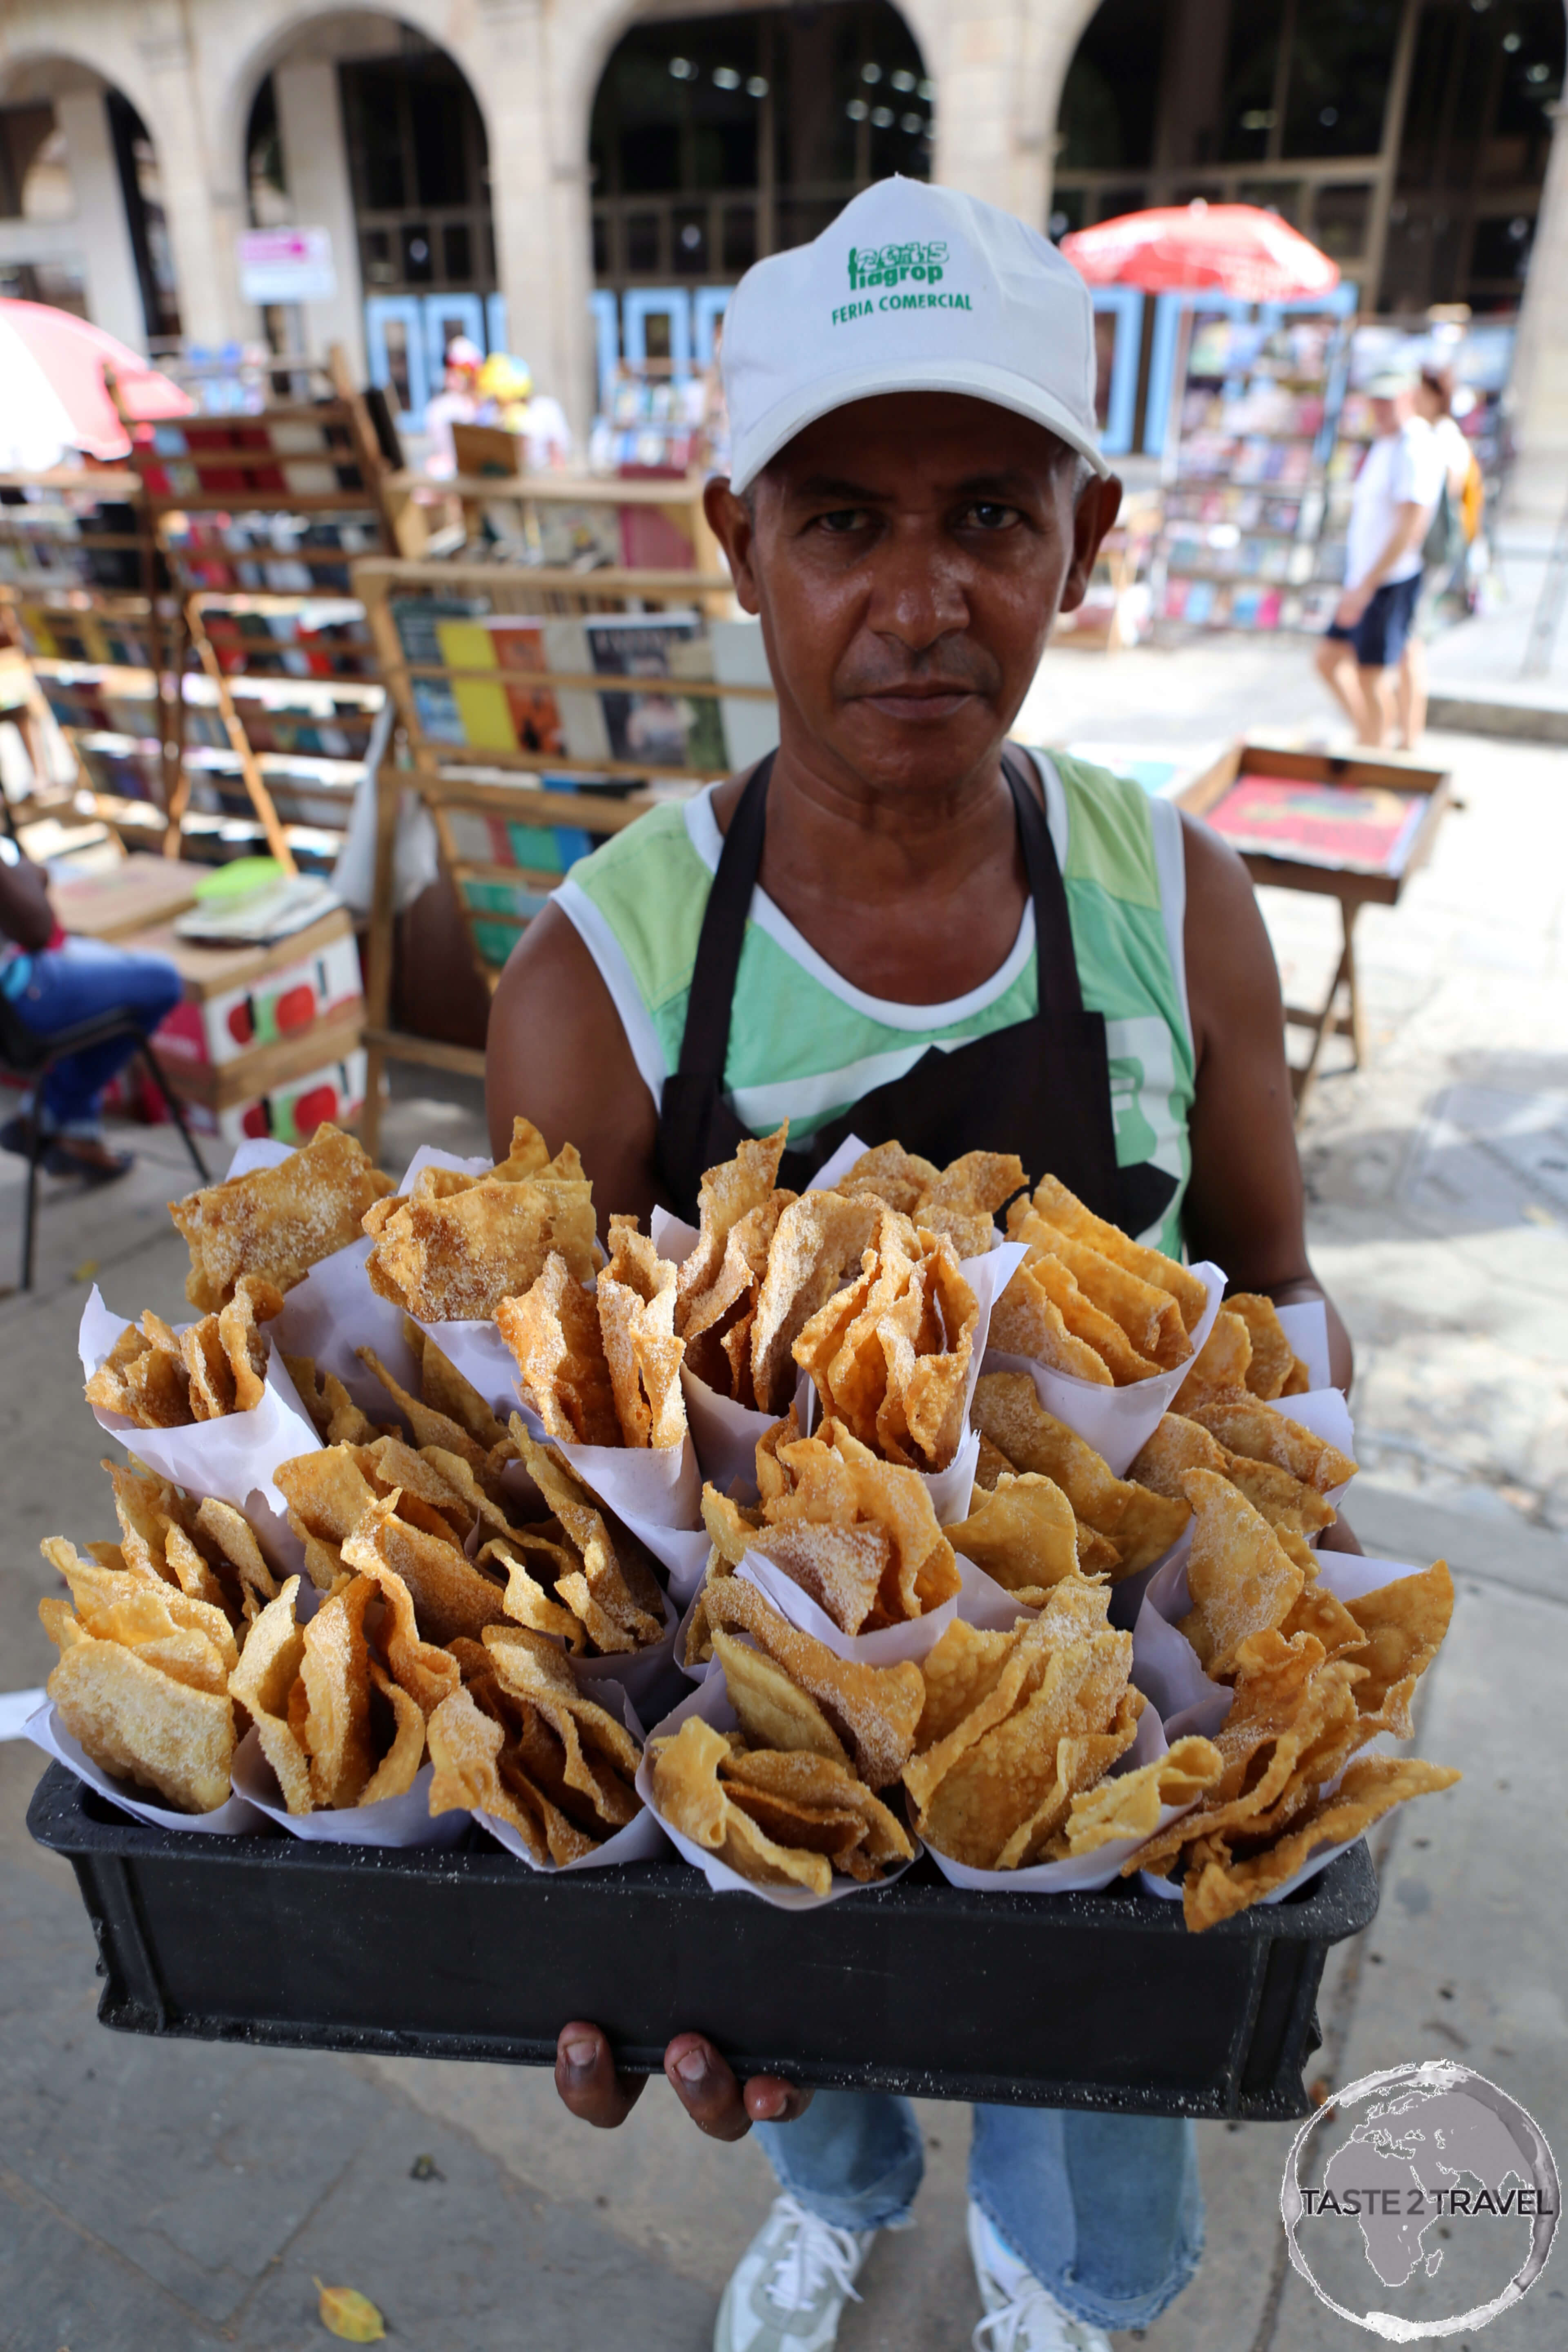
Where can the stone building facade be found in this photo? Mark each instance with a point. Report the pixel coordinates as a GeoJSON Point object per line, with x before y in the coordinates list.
{"type": "Point", "coordinates": [186, 74]}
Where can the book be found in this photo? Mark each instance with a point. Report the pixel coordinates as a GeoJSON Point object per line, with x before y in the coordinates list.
{"type": "Point", "coordinates": [522, 655]}
{"type": "Point", "coordinates": [664, 730]}
{"type": "Point", "coordinates": [482, 708]}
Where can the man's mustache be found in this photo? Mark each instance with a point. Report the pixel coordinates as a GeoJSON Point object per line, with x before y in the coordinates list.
{"type": "Point", "coordinates": [946, 670]}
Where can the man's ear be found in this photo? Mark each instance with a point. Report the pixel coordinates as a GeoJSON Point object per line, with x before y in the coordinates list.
{"type": "Point", "coordinates": [1098, 503]}
{"type": "Point", "coordinates": [730, 520]}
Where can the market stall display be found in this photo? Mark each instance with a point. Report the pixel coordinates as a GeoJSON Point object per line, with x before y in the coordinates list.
{"type": "Point", "coordinates": [541, 708]}
{"type": "Point", "coordinates": [260, 515]}
{"type": "Point", "coordinates": [1352, 827]}
{"type": "Point", "coordinates": [87, 602]}
{"type": "Point", "coordinates": [1254, 416]}
{"type": "Point", "coordinates": [394, 1513]}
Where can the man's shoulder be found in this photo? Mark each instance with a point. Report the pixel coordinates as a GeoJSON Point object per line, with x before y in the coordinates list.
{"type": "Point", "coordinates": [658, 842]}
{"type": "Point", "coordinates": [1110, 830]}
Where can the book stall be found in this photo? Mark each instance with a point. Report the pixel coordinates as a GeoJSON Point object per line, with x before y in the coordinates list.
{"type": "Point", "coordinates": [89, 606]}
{"type": "Point", "coordinates": [1254, 418]}
{"type": "Point", "coordinates": [260, 513]}
{"type": "Point", "coordinates": [522, 750]}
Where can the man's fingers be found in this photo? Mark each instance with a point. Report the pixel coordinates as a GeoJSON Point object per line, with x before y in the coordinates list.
{"type": "Point", "coordinates": [769, 2101]}
{"type": "Point", "coordinates": [705, 2087]}
{"type": "Point", "coordinates": [587, 2079]}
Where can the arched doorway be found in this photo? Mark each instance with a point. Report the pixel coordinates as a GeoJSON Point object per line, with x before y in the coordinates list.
{"type": "Point", "coordinates": [82, 224]}
{"type": "Point", "coordinates": [1408, 138]}
{"type": "Point", "coordinates": [366, 128]}
{"type": "Point", "coordinates": [717, 139]}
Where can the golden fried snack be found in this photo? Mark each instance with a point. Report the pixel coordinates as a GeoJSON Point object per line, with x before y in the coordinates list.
{"type": "Point", "coordinates": [277, 1223]}
{"type": "Point", "coordinates": [1142, 1525]}
{"type": "Point", "coordinates": [456, 1245]}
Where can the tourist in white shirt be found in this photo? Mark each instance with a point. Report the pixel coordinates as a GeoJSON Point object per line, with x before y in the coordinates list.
{"type": "Point", "coordinates": [1395, 493]}
{"type": "Point", "coordinates": [1445, 565]}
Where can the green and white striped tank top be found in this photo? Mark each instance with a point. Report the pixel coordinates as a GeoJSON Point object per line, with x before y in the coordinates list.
{"type": "Point", "coordinates": [805, 1045]}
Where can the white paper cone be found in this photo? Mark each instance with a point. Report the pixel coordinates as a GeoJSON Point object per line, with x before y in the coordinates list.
{"type": "Point", "coordinates": [404, 1821]}
{"type": "Point", "coordinates": [1118, 1423]}
{"type": "Point", "coordinates": [642, 1840]}
{"type": "Point", "coordinates": [726, 1433]}
{"type": "Point", "coordinates": [231, 1459]}
{"type": "Point", "coordinates": [258, 1151]}
{"type": "Point", "coordinates": [1087, 1873]}
{"type": "Point", "coordinates": [712, 1702]}
{"type": "Point", "coordinates": [332, 1313]}
{"type": "Point", "coordinates": [979, 1601]}
{"type": "Point", "coordinates": [1325, 1412]}
{"type": "Point", "coordinates": [1157, 1649]}
{"type": "Point", "coordinates": [235, 1818]}
{"type": "Point", "coordinates": [1306, 1328]}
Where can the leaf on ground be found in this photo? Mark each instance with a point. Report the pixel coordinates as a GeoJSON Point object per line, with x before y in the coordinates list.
{"type": "Point", "coordinates": [347, 2313]}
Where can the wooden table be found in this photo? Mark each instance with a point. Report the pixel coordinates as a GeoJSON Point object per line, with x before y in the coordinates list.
{"type": "Point", "coordinates": [143, 890]}
{"type": "Point", "coordinates": [1355, 884]}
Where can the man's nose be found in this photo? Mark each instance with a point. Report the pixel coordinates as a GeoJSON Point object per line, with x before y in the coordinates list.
{"type": "Point", "coordinates": [918, 594]}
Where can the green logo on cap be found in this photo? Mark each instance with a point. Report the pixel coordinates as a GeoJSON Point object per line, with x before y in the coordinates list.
{"type": "Point", "coordinates": [890, 265]}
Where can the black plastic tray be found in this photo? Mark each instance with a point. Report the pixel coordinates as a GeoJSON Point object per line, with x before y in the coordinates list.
{"type": "Point", "coordinates": [1081, 2000]}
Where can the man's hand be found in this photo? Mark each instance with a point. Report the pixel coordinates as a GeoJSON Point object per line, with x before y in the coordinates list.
{"type": "Point", "coordinates": [587, 2079]}
{"type": "Point", "coordinates": [1352, 605]}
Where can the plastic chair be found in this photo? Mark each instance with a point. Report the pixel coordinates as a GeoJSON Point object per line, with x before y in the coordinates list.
{"type": "Point", "coordinates": [30, 1055]}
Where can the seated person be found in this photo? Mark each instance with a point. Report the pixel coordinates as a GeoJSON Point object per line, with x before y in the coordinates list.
{"type": "Point", "coordinates": [52, 982]}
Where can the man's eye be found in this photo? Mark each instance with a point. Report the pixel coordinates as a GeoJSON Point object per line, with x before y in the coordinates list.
{"type": "Point", "coordinates": [842, 520]}
{"type": "Point", "coordinates": [987, 515]}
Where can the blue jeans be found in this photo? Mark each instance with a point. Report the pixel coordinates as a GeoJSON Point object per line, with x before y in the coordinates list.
{"type": "Point", "coordinates": [60, 986]}
{"type": "Point", "coordinates": [1105, 2210]}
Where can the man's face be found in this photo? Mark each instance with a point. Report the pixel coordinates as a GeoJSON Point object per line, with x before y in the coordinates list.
{"type": "Point", "coordinates": [906, 556]}
{"type": "Point", "coordinates": [1388, 416]}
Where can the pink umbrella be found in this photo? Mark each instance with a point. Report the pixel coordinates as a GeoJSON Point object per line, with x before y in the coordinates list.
{"type": "Point", "coordinates": [72, 356]}
{"type": "Point", "coordinates": [1239, 250]}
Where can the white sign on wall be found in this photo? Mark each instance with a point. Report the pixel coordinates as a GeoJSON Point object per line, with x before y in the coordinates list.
{"type": "Point", "coordinates": [287, 265]}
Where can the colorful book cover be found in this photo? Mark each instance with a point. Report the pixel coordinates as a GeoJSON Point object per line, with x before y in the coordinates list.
{"type": "Point", "coordinates": [520, 648]}
{"type": "Point", "coordinates": [481, 706]}
{"type": "Point", "coordinates": [1362, 829]}
{"type": "Point", "coordinates": [664, 730]}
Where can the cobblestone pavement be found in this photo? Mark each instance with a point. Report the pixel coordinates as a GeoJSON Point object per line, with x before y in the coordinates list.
{"type": "Point", "coordinates": [160, 2197]}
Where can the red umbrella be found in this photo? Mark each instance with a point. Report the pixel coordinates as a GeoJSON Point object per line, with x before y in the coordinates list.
{"type": "Point", "coordinates": [72, 354]}
{"type": "Point", "coordinates": [1239, 250]}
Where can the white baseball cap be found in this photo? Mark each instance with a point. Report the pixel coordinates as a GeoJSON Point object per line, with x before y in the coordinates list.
{"type": "Point", "coordinates": [913, 289]}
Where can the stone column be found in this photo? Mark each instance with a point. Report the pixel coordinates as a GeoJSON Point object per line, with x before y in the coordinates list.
{"type": "Point", "coordinates": [316, 173]}
{"type": "Point", "coordinates": [539, 193]}
{"type": "Point", "coordinates": [999, 66]}
{"type": "Point", "coordinates": [1541, 355]}
{"type": "Point", "coordinates": [204, 193]}
{"type": "Point", "coordinates": [113, 289]}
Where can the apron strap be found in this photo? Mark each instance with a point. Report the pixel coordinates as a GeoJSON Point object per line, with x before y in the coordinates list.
{"type": "Point", "coordinates": [705, 1042]}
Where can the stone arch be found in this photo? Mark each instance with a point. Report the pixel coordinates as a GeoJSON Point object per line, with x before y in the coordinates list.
{"type": "Point", "coordinates": [107, 252]}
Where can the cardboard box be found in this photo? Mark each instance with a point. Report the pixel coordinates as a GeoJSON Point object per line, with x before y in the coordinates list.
{"type": "Point", "coordinates": [239, 1000]}
{"type": "Point", "coordinates": [292, 1110]}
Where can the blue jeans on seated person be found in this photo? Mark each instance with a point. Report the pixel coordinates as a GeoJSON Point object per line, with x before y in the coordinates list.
{"type": "Point", "coordinates": [1105, 2210]}
{"type": "Point", "coordinates": [81, 981]}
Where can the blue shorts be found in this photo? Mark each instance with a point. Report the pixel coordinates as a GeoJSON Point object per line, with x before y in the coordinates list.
{"type": "Point", "coordinates": [1378, 637]}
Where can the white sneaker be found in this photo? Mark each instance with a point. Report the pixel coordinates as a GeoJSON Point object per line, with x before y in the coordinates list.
{"type": "Point", "coordinates": [1020, 2316]}
{"type": "Point", "coordinates": [790, 2286]}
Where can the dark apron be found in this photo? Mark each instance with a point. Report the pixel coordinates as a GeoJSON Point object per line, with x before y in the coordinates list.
{"type": "Point", "coordinates": [1040, 1089]}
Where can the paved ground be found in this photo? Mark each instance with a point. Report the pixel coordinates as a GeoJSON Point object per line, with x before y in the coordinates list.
{"type": "Point", "coordinates": [155, 2197]}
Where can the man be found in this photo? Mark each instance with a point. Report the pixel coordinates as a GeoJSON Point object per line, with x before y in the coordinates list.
{"type": "Point", "coordinates": [900, 925]}
{"type": "Point", "coordinates": [1392, 505]}
{"type": "Point", "coordinates": [1444, 549]}
{"type": "Point", "coordinates": [51, 984]}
